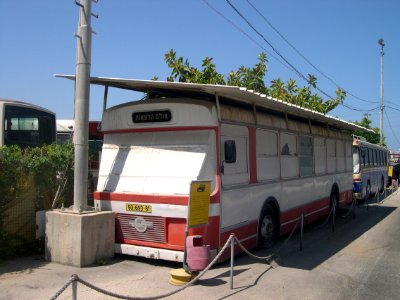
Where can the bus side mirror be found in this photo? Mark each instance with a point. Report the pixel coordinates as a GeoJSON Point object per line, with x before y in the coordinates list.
{"type": "Point", "coordinates": [230, 153]}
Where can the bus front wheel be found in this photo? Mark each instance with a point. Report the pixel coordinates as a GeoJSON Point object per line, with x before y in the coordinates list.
{"type": "Point", "coordinates": [267, 228]}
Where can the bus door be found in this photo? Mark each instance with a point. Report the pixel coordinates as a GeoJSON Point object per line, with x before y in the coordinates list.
{"type": "Point", "coordinates": [235, 175]}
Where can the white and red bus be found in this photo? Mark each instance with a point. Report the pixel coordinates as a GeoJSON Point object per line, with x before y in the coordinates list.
{"type": "Point", "coordinates": [268, 162]}
{"type": "Point", "coordinates": [370, 173]}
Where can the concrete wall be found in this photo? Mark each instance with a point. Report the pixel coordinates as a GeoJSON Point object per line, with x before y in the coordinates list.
{"type": "Point", "coordinates": [79, 239]}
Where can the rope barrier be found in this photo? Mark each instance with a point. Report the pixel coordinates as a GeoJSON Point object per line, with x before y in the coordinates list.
{"type": "Point", "coordinates": [63, 288]}
{"type": "Point", "coordinates": [268, 257]}
{"type": "Point", "coordinates": [351, 209]}
{"type": "Point", "coordinates": [231, 241]}
{"type": "Point", "coordinates": [327, 218]}
{"type": "Point", "coordinates": [392, 189]}
{"type": "Point", "coordinates": [111, 294]}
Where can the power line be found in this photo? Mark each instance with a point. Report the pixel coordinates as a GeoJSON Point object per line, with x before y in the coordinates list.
{"type": "Point", "coordinates": [244, 33]}
{"type": "Point", "coordinates": [391, 107]}
{"type": "Point", "coordinates": [258, 44]}
{"type": "Point", "coordinates": [360, 110]}
{"type": "Point", "coordinates": [286, 40]}
{"type": "Point", "coordinates": [391, 102]}
{"type": "Point", "coordinates": [272, 47]}
{"type": "Point", "coordinates": [305, 58]}
{"type": "Point", "coordinates": [391, 128]}
{"type": "Point", "coordinates": [288, 65]}
{"type": "Point", "coordinates": [275, 50]}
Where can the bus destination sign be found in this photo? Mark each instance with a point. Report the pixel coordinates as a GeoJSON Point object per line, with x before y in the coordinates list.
{"type": "Point", "coordinates": [152, 116]}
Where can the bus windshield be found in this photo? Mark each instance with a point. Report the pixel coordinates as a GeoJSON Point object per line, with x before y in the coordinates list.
{"type": "Point", "coordinates": [356, 160]}
{"type": "Point", "coordinates": [156, 162]}
{"type": "Point", "coordinates": [28, 127]}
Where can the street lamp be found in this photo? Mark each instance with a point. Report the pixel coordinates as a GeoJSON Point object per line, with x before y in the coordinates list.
{"type": "Point", "coordinates": [381, 42]}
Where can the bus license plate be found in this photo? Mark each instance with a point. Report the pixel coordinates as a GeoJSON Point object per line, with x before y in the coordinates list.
{"type": "Point", "coordinates": [138, 207]}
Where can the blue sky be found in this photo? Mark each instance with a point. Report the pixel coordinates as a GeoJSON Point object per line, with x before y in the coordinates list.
{"type": "Point", "coordinates": [339, 37]}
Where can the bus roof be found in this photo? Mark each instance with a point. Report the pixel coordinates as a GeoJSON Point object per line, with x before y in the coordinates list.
{"type": "Point", "coordinates": [360, 142]}
{"type": "Point", "coordinates": [68, 126]}
{"type": "Point", "coordinates": [236, 93]}
{"type": "Point", "coordinates": [25, 104]}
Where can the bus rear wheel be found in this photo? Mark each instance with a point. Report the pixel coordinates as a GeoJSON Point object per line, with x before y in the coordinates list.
{"type": "Point", "coordinates": [334, 203]}
{"type": "Point", "coordinates": [268, 226]}
{"type": "Point", "coordinates": [368, 192]}
{"type": "Point", "coordinates": [382, 187]}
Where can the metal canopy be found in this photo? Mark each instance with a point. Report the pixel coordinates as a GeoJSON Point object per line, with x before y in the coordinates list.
{"type": "Point", "coordinates": [239, 94]}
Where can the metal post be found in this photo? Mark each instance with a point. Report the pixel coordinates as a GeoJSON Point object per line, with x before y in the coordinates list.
{"type": "Point", "coordinates": [232, 257]}
{"type": "Point", "coordinates": [105, 98]}
{"type": "Point", "coordinates": [74, 290]}
{"type": "Point", "coordinates": [184, 264]}
{"type": "Point", "coordinates": [82, 93]}
{"type": "Point", "coordinates": [382, 43]}
{"type": "Point", "coordinates": [333, 216]}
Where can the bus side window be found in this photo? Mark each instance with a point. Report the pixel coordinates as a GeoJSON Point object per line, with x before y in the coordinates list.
{"type": "Point", "coordinates": [371, 157]}
{"type": "Point", "coordinates": [230, 151]}
{"type": "Point", "coordinates": [363, 157]}
{"type": "Point", "coordinates": [289, 157]}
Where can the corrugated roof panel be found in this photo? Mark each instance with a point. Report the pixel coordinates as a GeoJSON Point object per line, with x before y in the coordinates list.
{"type": "Point", "coordinates": [240, 94]}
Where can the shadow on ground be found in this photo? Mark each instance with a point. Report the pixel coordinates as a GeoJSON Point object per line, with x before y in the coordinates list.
{"type": "Point", "coordinates": [320, 242]}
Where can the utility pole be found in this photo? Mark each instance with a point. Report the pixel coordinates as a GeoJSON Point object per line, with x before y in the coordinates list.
{"type": "Point", "coordinates": [82, 93]}
{"type": "Point", "coordinates": [77, 228]}
{"type": "Point", "coordinates": [382, 43]}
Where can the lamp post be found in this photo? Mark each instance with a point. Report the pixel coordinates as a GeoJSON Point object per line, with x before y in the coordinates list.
{"type": "Point", "coordinates": [381, 42]}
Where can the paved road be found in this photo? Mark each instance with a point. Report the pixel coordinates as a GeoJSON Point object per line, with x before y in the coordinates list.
{"type": "Point", "coordinates": [360, 260]}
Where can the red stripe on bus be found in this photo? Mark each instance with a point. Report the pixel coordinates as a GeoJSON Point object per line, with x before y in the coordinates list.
{"type": "Point", "coordinates": [162, 199]}
{"type": "Point", "coordinates": [240, 232]}
{"type": "Point", "coordinates": [142, 198]}
{"type": "Point", "coordinates": [312, 212]}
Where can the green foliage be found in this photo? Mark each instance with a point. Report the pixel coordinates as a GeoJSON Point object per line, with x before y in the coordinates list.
{"type": "Point", "coordinates": [10, 245]}
{"type": "Point", "coordinates": [253, 79]}
{"type": "Point", "coordinates": [12, 174]}
{"type": "Point", "coordinates": [372, 137]}
{"type": "Point", "coordinates": [183, 72]}
{"type": "Point", "coordinates": [50, 166]}
{"type": "Point", "coordinates": [47, 167]}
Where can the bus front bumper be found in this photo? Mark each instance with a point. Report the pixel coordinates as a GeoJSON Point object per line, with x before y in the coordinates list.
{"type": "Point", "coordinates": [148, 252]}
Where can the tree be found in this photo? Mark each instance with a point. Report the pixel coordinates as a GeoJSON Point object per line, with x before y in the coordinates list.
{"type": "Point", "coordinates": [252, 79]}
{"type": "Point", "coordinates": [372, 137]}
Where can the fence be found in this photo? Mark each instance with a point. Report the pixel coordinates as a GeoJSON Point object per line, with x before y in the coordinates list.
{"type": "Point", "coordinates": [18, 217]}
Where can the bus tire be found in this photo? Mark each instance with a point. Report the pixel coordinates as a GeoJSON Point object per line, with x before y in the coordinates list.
{"type": "Point", "coordinates": [382, 187]}
{"type": "Point", "coordinates": [268, 226]}
{"type": "Point", "coordinates": [368, 192]}
{"type": "Point", "coordinates": [334, 201]}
